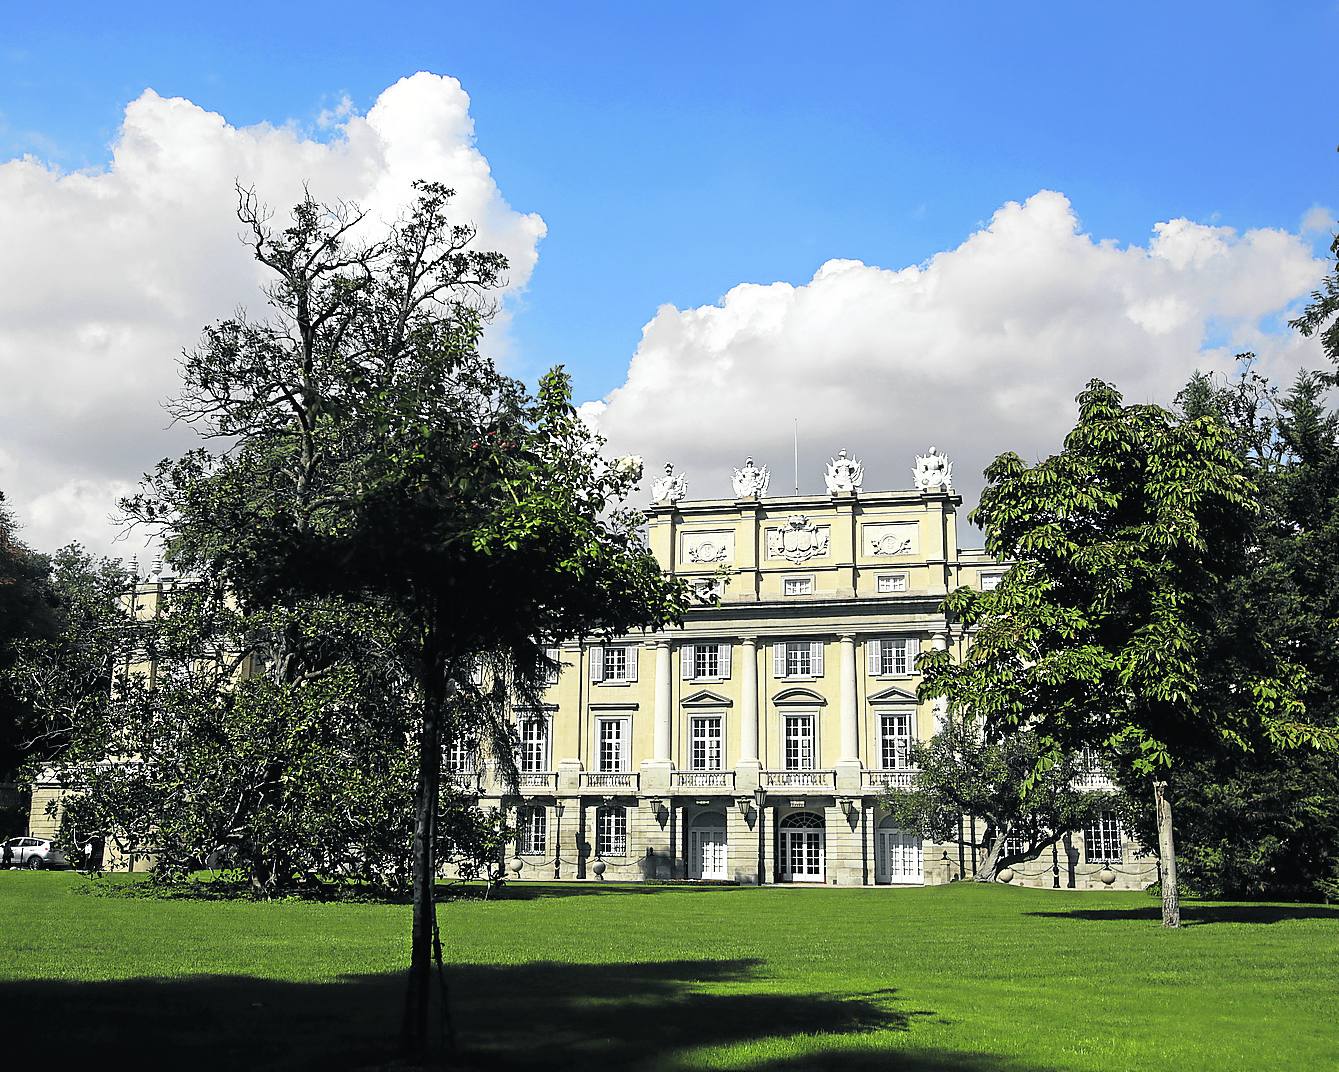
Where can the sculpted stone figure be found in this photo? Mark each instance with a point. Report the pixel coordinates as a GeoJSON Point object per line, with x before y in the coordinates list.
{"type": "Point", "coordinates": [669, 488]}
{"type": "Point", "coordinates": [933, 472]}
{"type": "Point", "coordinates": [844, 474]}
{"type": "Point", "coordinates": [751, 481]}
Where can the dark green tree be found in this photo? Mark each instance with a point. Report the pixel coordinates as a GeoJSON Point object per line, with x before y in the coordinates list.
{"type": "Point", "coordinates": [27, 613]}
{"type": "Point", "coordinates": [960, 772]}
{"type": "Point", "coordinates": [1102, 632]}
{"type": "Point", "coordinates": [377, 457]}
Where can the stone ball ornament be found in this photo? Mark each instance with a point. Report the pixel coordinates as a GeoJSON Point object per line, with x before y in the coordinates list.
{"type": "Point", "coordinates": [1106, 876]}
{"type": "Point", "coordinates": [1006, 874]}
{"type": "Point", "coordinates": [598, 867]}
{"type": "Point", "coordinates": [515, 864]}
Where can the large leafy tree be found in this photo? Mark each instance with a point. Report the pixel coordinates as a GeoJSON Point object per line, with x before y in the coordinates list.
{"type": "Point", "coordinates": [1102, 632]}
{"type": "Point", "coordinates": [376, 456]}
{"type": "Point", "coordinates": [959, 771]}
{"type": "Point", "coordinates": [60, 676]}
{"type": "Point", "coordinates": [27, 613]}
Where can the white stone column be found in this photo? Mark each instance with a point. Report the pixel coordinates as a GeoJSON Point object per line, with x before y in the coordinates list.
{"type": "Point", "coordinates": [748, 701]}
{"type": "Point", "coordinates": [663, 704]}
{"type": "Point", "coordinates": [850, 715]}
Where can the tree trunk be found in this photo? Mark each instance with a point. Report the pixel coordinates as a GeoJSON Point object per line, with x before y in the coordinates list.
{"type": "Point", "coordinates": [419, 995]}
{"type": "Point", "coordinates": [1171, 901]}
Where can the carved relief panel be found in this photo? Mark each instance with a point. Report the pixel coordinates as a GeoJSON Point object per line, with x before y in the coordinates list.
{"type": "Point", "coordinates": [798, 540]}
{"type": "Point", "coordinates": [703, 548]}
{"type": "Point", "coordinates": [891, 540]}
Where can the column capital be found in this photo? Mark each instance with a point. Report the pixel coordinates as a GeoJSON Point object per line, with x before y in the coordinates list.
{"type": "Point", "coordinates": [749, 641]}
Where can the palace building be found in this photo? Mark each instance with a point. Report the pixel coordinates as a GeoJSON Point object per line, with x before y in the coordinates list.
{"type": "Point", "coordinates": [756, 743]}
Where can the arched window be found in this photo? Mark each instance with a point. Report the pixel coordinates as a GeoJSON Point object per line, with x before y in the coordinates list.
{"type": "Point", "coordinates": [611, 832]}
{"type": "Point", "coordinates": [801, 819]}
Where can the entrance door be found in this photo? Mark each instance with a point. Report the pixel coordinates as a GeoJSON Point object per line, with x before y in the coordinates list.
{"type": "Point", "coordinates": [706, 848]}
{"type": "Point", "coordinates": [897, 856]}
{"type": "Point", "coordinates": [801, 848]}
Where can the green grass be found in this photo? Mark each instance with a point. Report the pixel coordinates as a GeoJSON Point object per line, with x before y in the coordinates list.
{"type": "Point", "coordinates": [947, 978]}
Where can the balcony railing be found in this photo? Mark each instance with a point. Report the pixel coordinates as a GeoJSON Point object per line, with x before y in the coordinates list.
{"type": "Point", "coordinates": [703, 779]}
{"type": "Point", "coordinates": [1093, 779]}
{"type": "Point", "coordinates": [889, 779]}
{"type": "Point", "coordinates": [541, 780]}
{"type": "Point", "coordinates": [604, 780]}
{"type": "Point", "coordinates": [800, 779]}
{"type": "Point", "coordinates": [463, 781]}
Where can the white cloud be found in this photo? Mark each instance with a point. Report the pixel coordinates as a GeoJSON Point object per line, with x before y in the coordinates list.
{"type": "Point", "coordinates": [979, 350]}
{"type": "Point", "coordinates": [106, 275]}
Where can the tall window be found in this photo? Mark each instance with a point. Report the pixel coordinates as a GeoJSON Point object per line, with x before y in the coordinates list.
{"type": "Point", "coordinates": [614, 662]}
{"type": "Point", "coordinates": [709, 662]}
{"type": "Point", "coordinates": [613, 744]}
{"type": "Point", "coordinates": [552, 672]}
{"type": "Point", "coordinates": [895, 738]}
{"type": "Point", "coordinates": [1101, 839]}
{"type": "Point", "coordinates": [534, 744]}
{"type": "Point", "coordinates": [706, 743]}
{"type": "Point", "coordinates": [799, 742]}
{"type": "Point", "coordinates": [611, 832]}
{"type": "Point", "coordinates": [892, 656]}
{"type": "Point", "coordinates": [460, 756]}
{"type": "Point", "coordinates": [533, 828]}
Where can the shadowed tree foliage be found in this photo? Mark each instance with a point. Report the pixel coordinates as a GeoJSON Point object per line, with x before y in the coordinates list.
{"type": "Point", "coordinates": [960, 772]}
{"type": "Point", "coordinates": [1103, 632]}
{"type": "Point", "coordinates": [376, 457]}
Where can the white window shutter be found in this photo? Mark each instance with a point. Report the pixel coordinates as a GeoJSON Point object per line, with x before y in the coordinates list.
{"type": "Point", "coordinates": [597, 663]}
{"type": "Point", "coordinates": [632, 662]}
{"type": "Point", "coordinates": [724, 659]}
{"type": "Point", "coordinates": [816, 657]}
{"type": "Point", "coordinates": [779, 659]}
{"type": "Point", "coordinates": [686, 661]}
{"type": "Point", "coordinates": [874, 655]}
{"type": "Point", "coordinates": [913, 649]}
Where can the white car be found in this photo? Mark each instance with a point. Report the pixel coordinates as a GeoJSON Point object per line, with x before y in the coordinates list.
{"type": "Point", "coordinates": [33, 853]}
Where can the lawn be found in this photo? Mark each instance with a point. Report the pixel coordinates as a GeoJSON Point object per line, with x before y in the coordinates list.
{"type": "Point", "coordinates": [945, 978]}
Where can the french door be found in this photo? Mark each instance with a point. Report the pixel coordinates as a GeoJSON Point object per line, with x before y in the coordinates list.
{"type": "Point", "coordinates": [707, 852]}
{"type": "Point", "coordinates": [897, 857]}
{"type": "Point", "coordinates": [802, 855]}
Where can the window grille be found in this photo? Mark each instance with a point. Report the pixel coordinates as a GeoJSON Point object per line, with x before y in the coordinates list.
{"type": "Point", "coordinates": [895, 740]}
{"type": "Point", "coordinates": [612, 751]}
{"type": "Point", "coordinates": [799, 659]}
{"type": "Point", "coordinates": [706, 743]}
{"type": "Point", "coordinates": [611, 832]}
{"type": "Point", "coordinates": [1102, 839]}
{"type": "Point", "coordinates": [1015, 845]}
{"type": "Point", "coordinates": [616, 664]}
{"type": "Point", "coordinates": [532, 824]}
{"type": "Point", "coordinates": [893, 657]}
{"type": "Point", "coordinates": [799, 742]}
{"type": "Point", "coordinates": [534, 744]}
{"type": "Point", "coordinates": [798, 586]}
{"type": "Point", "coordinates": [706, 660]}
{"type": "Point", "coordinates": [460, 756]}
{"type": "Point", "coordinates": [892, 582]}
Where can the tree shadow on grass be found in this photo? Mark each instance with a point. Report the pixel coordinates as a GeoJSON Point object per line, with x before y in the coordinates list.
{"type": "Point", "coordinates": [533, 891]}
{"type": "Point", "coordinates": [1197, 915]}
{"type": "Point", "coordinates": [526, 1016]}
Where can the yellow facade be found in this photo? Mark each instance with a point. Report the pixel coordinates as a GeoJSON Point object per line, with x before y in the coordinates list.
{"type": "Point", "coordinates": [767, 761]}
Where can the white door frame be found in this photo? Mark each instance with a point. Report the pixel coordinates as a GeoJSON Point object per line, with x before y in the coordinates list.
{"type": "Point", "coordinates": [809, 843]}
{"type": "Point", "coordinates": [699, 838]}
{"type": "Point", "coordinates": [892, 842]}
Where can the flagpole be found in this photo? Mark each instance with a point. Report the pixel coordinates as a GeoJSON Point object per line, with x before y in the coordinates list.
{"type": "Point", "coordinates": [797, 455]}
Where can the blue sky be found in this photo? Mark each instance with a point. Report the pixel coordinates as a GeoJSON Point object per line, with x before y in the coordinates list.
{"type": "Point", "coordinates": [678, 150]}
{"type": "Point", "coordinates": [967, 211]}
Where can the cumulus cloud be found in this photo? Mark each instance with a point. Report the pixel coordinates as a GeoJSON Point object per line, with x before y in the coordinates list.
{"type": "Point", "coordinates": [979, 350]}
{"type": "Point", "coordinates": [106, 275]}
